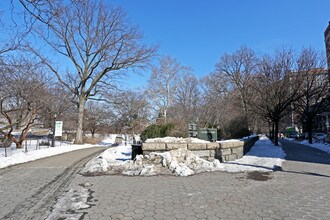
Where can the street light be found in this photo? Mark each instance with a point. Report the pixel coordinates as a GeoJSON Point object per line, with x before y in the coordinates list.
{"type": "Point", "coordinates": [54, 124]}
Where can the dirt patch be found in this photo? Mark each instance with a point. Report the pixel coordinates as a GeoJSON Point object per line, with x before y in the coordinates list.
{"type": "Point", "coordinates": [259, 176]}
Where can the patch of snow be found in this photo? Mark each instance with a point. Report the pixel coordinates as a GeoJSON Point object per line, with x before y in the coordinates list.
{"type": "Point", "coordinates": [229, 140]}
{"type": "Point", "coordinates": [17, 156]}
{"type": "Point", "coordinates": [109, 140]}
{"type": "Point", "coordinates": [180, 162]}
{"type": "Point", "coordinates": [66, 206]}
{"type": "Point", "coordinates": [175, 140]}
{"type": "Point", "coordinates": [263, 156]}
{"type": "Point", "coordinates": [251, 136]}
{"type": "Point", "coordinates": [321, 146]}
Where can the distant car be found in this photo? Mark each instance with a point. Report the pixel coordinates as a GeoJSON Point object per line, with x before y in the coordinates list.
{"type": "Point", "coordinates": [320, 136]}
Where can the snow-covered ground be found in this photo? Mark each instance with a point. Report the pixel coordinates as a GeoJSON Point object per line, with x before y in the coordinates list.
{"type": "Point", "coordinates": [321, 146]}
{"type": "Point", "coordinates": [31, 151]}
{"type": "Point", "coordinates": [176, 140]}
{"type": "Point", "coordinates": [72, 200]}
{"type": "Point", "coordinates": [263, 157]}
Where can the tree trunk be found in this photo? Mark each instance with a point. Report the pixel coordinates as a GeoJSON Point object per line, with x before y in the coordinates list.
{"type": "Point", "coordinates": [79, 131]}
{"type": "Point", "coordinates": [276, 133]}
{"type": "Point", "coordinates": [309, 130]}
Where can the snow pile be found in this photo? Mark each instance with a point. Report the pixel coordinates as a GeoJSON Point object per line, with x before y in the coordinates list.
{"type": "Point", "coordinates": [251, 136]}
{"type": "Point", "coordinates": [229, 140]}
{"type": "Point", "coordinates": [181, 162]}
{"type": "Point", "coordinates": [176, 140]}
{"type": "Point", "coordinates": [17, 156]}
{"type": "Point", "coordinates": [321, 146]}
{"type": "Point", "coordinates": [74, 199]}
{"type": "Point", "coordinates": [109, 140]}
{"type": "Point", "coordinates": [262, 157]}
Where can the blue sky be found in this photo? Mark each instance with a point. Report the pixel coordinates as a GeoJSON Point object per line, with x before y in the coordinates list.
{"type": "Point", "coordinates": [198, 32]}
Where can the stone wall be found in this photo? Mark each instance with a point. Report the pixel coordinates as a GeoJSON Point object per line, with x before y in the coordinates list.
{"type": "Point", "coordinates": [223, 150]}
{"type": "Point", "coordinates": [230, 150]}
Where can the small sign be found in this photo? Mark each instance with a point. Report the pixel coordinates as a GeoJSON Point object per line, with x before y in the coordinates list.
{"type": "Point", "coordinates": [58, 128]}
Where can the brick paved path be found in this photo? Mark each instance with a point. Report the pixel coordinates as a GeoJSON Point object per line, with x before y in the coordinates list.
{"type": "Point", "coordinates": [300, 191]}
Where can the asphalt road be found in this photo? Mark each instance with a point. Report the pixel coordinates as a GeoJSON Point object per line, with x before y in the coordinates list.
{"type": "Point", "coordinates": [29, 190]}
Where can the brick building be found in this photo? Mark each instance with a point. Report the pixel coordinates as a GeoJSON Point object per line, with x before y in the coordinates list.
{"type": "Point", "coordinates": [325, 116]}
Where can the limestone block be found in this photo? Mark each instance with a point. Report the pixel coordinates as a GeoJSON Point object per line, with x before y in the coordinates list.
{"type": "Point", "coordinates": [225, 151]}
{"type": "Point", "coordinates": [237, 150]}
{"type": "Point", "coordinates": [212, 146]}
{"type": "Point", "coordinates": [174, 146]}
{"type": "Point", "coordinates": [202, 153]}
{"type": "Point", "coordinates": [231, 157]}
{"type": "Point", "coordinates": [239, 154]}
{"type": "Point", "coordinates": [147, 152]}
{"type": "Point", "coordinates": [153, 146]}
{"type": "Point", "coordinates": [197, 146]}
{"type": "Point", "coordinates": [226, 144]}
{"type": "Point", "coordinates": [238, 143]}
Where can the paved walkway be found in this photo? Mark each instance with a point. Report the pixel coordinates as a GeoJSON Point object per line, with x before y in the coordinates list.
{"type": "Point", "coordinates": [30, 190]}
{"type": "Point", "coordinates": [300, 191]}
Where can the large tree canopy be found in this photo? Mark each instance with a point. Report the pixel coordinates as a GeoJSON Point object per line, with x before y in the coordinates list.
{"type": "Point", "coordinates": [95, 40]}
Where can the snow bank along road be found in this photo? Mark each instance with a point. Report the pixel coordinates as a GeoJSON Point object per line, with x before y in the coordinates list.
{"type": "Point", "coordinates": [30, 190]}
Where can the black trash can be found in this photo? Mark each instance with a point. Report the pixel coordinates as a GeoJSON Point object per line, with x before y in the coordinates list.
{"type": "Point", "coordinates": [136, 150]}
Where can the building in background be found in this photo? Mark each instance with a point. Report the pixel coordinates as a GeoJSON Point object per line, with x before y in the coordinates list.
{"type": "Point", "coordinates": [326, 114]}
{"type": "Point", "coordinates": [327, 43]}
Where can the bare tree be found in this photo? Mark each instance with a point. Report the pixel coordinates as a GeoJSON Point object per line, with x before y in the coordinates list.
{"type": "Point", "coordinates": [186, 102]}
{"type": "Point", "coordinates": [97, 117]}
{"type": "Point", "coordinates": [165, 82]}
{"type": "Point", "coordinates": [274, 88]}
{"type": "Point", "coordinates": [131, 110]}
{"type": "Point", "coordinates": [23, 94]}
{"type": "Point", "coordinates": [314, 89]}
{"type": "Point", "coordinates": [239, 69]}
{"type": "Point", "coordinates": [215, 100]}
{"type": "Point", "coordinates": [97, 41]}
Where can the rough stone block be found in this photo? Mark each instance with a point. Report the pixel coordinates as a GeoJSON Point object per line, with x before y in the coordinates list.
{"type": "Point", "coordinates": [202, 153]}
{"type": "Point", "coordinates": [147, 152]}
{"type": "Point", "coordinates": [212, 146]}
{"type": "Point", "coordinates": [238, 143]}
{"type": "Point", "coordinates": [153, 146]}
{"type": "Point", "coordinates": [196, 146]}
{"type": "Point", "coordinates": [237, 150]}
{"type": "Point", "coordinates": [239, 154]}
{"type": "Point", "coordinates": [225, 151]}
{"type": "Point", "coordinates": [226, 144]}
{"type": "Point", "coordinates": [174, 146]}
{"type": "Point", "coordinates": [212, 153]}
{"type": "Point", "coordinates": [231, 157]}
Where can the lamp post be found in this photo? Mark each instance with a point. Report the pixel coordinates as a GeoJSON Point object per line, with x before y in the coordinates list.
{"type": "Point", "coordinates": [54, 124]}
